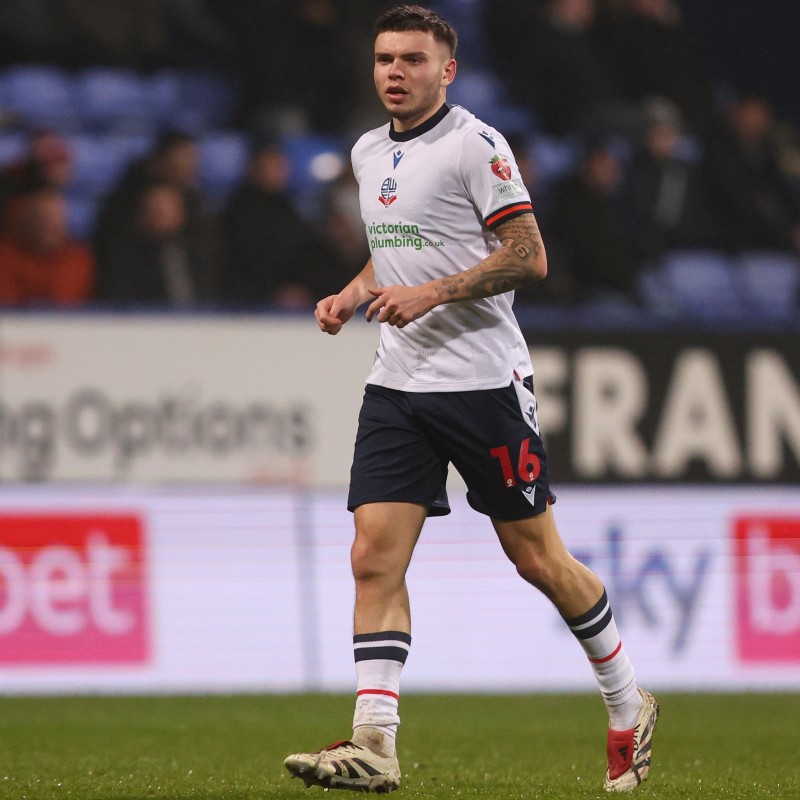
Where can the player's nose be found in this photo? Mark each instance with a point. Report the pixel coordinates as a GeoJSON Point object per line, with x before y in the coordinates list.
{"type": "Point", "coordinates": [396, 69]}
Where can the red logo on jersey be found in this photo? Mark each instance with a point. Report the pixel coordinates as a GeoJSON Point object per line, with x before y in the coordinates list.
{"type": "Point", "coordinates": [501, 167]}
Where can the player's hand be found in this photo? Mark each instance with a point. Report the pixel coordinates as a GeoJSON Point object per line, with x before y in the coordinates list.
{"type": "Point", "coordinates": [332, 312]}
{"type": "Point", "coordinates": [399, 305]}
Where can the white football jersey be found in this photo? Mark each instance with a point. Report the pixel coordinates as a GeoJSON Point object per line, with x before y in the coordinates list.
{"type": "Point", "coordinates": [429, 199]}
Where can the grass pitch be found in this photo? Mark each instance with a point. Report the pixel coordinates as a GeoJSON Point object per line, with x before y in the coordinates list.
{"type": "Point", "coordinates": [488, 747]}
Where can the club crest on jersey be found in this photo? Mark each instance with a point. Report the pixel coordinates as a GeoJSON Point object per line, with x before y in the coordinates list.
{"type": "Point", "coordinates": [388, 192]}
{"type": "Point", "coordinates": [501, 167]}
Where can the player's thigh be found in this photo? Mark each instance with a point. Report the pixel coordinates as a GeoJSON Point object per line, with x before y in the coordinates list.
{"type": "Point", "coordinates": [531, 538]}
{"type": "Point", "coordinates": [386, 534]}
{"type": "Point", "coordinates": [536, 549]}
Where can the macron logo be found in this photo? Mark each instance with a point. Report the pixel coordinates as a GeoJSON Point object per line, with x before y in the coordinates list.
{"type": "Point", "coordinates": [397, 157]}
{"type": "Point", "coordinates": [767, 558]}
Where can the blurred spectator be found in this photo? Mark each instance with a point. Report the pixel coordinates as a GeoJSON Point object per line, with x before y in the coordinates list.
{"type": "Point", "coordinates": [588, 254]}
{"type": "Point", "coordinates": [273, 38]}
{"type": "Point", "coordinates": [651, 52]}
{"type": "Point", "coordinates": [274, 256]}
{"type": "Point", "coordinates": [32, 30]}
{"type": "Point", "coordinates": [546, 54]}
{"type": "Point", "coordinates": [663, 194]}
{"type": "Point", "coordinates": [757, 206]}
{"type": "Point", "coordinates": [529, 171]}
{"type": "Point", "coordinates": [159, 261]}
{"type": "Point", "coordinates": [47, 163]}
{"type": "Point", "coordinates": [39, 262]}
{"type": "Point", "coordinates": [343, 222]}
{"type": "Point", "coordinates": [76, 33]}
{"type": "Point", "coordinates": [174, 159]}
{"type": "Point", "coordinates": [198, 38]}
{"type": "Point", "coordinates": [117, 32]}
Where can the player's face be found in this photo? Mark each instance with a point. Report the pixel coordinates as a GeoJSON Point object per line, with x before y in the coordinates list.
{"type": "Point", "coordinates": [412, 73]}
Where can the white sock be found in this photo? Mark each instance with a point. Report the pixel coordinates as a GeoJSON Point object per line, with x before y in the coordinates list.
{"type": "Point", "coordinates": [379, 662]}
{"type": "Point", "coordinates": [597, 633]}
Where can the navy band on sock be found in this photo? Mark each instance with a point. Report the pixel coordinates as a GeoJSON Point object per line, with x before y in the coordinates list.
{"type": "Point", "coordinates": [390, 645]}
{"type": "Point", "coordinates": [592, 622]}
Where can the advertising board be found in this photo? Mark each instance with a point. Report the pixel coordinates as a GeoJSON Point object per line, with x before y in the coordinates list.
{"type": "Point", "coordinates": [154, 590]}
{"type": "Point", "coordinates": [262, 400]}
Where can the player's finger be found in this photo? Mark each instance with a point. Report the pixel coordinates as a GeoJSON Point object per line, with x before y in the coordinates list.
{"type": "Point", "coordinates": [327, 323]}
{"type": "Point", "coordinates": [374, 307]}
{"type": "Point", "coordinates": [336, 308]}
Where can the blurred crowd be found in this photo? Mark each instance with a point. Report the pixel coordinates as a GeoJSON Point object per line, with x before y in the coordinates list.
{"type": "Point", "coordinates": [629, 145]}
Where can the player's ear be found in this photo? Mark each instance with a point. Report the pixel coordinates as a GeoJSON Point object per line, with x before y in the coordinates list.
{"type": "Point", "coordinates": [449, 72]}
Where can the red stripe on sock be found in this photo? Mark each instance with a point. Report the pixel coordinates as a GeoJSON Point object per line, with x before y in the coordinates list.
{"type": "Point", "coordinates": [377, 691]}
{"type": "Point", "coordinates": [607, 658]}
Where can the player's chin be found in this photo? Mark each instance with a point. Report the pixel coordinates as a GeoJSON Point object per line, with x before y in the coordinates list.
{"type": "Point", "coordinates": [396, 105]}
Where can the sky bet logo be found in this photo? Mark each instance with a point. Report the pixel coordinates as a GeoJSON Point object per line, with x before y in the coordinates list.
{"type": "Point", "coordinates": [649, 586]}
{"type": "Point", "coordinates": [73, 590]}
{"type": "Point", "coordinates": [767, 553]}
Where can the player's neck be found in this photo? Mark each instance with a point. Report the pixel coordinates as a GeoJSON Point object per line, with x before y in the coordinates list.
{"type": "Point", "coordinates": [428, 122]}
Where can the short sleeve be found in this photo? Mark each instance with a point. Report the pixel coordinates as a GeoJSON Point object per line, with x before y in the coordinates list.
{"type": "Point", "coordinates": [492, 177]}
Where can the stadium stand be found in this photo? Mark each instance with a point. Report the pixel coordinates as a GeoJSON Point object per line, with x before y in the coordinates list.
{"type": "Point", "coordinates": [113, 100]}
{"type": "Point", "coordinates": [40, 96]}
{"type": "Point", "coordinates": [223, 159]}
{"type": "Point", "coordinates": [769, 283]}
{"type": "Point", "coordinates": [110, 115]}
{"type": "Point", "coordinates": [696, 284]}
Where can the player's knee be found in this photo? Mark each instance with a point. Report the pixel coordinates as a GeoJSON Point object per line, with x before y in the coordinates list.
{"type": "Point", "coordinates": [367, 561]}
{"type": "Point", "coordinates": [545, 570]}
{"type": "Point", "coordinates": [535, 570]}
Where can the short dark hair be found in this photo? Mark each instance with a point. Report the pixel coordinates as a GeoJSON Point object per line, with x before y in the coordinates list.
{"type": "Point", "coordinates": [418, 18]}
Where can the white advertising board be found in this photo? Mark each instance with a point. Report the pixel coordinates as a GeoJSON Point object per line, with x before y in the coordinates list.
{"type": "Point", "coordinates": [141, 590]}
{"type": "Point", "coordinates": [171, 398]}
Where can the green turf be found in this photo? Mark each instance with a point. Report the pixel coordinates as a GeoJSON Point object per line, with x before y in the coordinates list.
{"type": "Point", "coordinates": [497, 748]}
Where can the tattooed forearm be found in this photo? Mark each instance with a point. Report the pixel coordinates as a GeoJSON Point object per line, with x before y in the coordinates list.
{"type": "Point", "coordinates": [519, 261]}
{"type": "Point", "coordinates": [483, 281]}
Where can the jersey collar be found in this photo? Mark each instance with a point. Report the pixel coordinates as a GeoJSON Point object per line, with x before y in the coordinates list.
{"type": "Point", "coordinates": [423, 127]}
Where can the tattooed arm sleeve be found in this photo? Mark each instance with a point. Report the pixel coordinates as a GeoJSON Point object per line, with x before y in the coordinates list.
{"type": "Point", "coordinates": [520, 260]}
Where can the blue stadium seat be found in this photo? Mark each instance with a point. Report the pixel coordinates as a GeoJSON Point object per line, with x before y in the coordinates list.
{"type": "Point", "coordinates": [701, 284]}
{"type": "Point", "coordinates": [82, 212]}
{"type": "Point", "coordinates": [465, 17]}
{"type": "Point", "coordinates": [206, 100]}
{"type": "Point", "coordinates": [13, 146]}
{"type": "Point", "coordinates": [163, 92]}
{"type": "Point", "coordinates": [113, 99]}
{"type": "Point", "coordinates": [554, 157]}
{"type": "Point", "coordinates": [769, 283]}
{"type": "Point", "coordinates": [41, 96]}
{"type": "Point", "coordinates": [223, 160]}
{"type": "Point", "coordinates": [483, 94]}
{"type": "Point", "coordinates": [195, 102]}
{"type": "Point", "coordinates": [315, 160]}
{"type": "Point", "coordinates": [99, 160]}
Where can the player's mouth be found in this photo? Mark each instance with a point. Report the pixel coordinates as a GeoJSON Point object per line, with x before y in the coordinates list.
{"type": "Point", "coordinates": [396, 92]}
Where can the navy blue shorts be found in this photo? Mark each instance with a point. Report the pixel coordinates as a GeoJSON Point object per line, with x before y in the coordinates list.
{"type": "Point", "coordinates": [406, 441]}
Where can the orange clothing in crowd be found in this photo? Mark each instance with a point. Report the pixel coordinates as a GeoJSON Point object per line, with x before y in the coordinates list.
{"type": "Point", "coordinates": [63, 277]}
{"type": "Point", "coordinates": [39, 261]}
